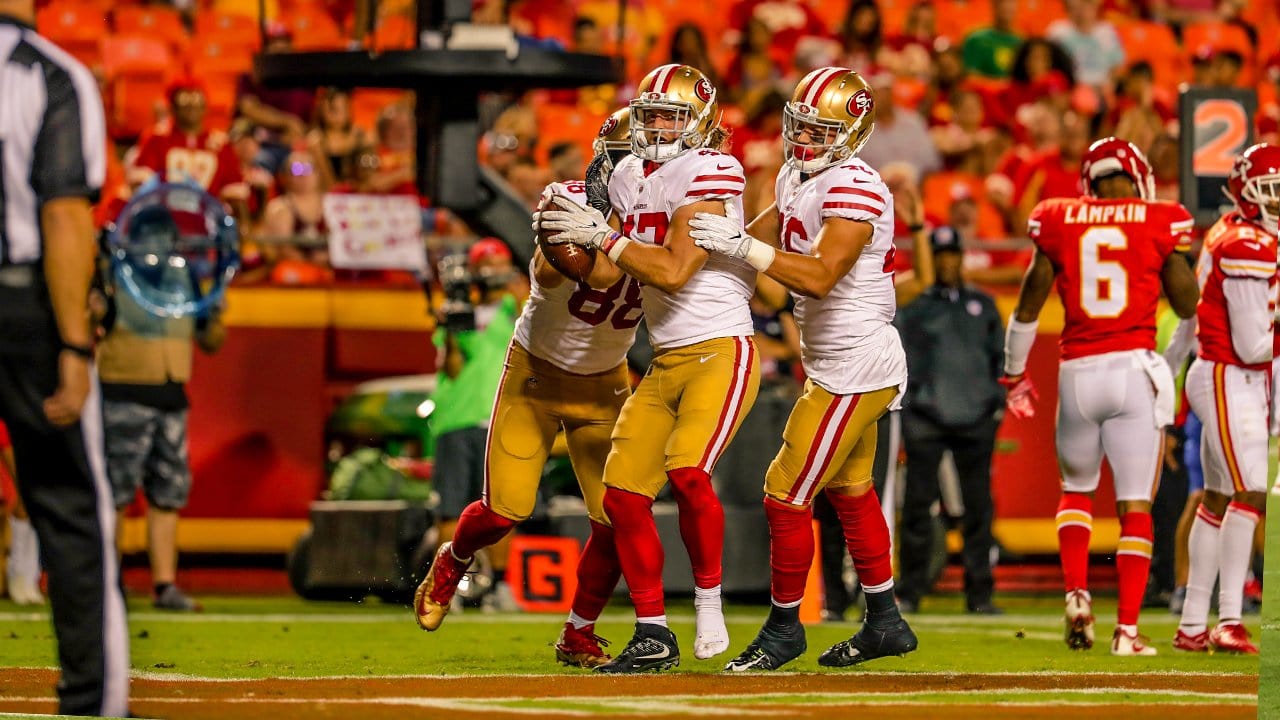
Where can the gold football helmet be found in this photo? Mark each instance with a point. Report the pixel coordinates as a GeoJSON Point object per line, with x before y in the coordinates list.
{"type": "Point", "coordinates": [614, 138]}
{"type": "Point", "coordinates": [829, 118]}
{"type": "Point", "coordinates": [674, 111]}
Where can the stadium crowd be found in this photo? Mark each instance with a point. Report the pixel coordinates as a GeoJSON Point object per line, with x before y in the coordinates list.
{"type": "Point", "coordinates": [985, 106]}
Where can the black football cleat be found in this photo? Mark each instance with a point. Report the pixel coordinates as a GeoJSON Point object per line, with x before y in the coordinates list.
{"type": "Point", "coordinates": [775, 645]}
{"type": "Point", "coordinates": [871, 643]}
{"type": "Point", "coordinates": [652, 649]}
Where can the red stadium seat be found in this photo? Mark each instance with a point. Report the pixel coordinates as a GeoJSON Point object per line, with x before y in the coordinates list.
{"type": "Point", "coordinates": [395, 32]}
{"type": "Point", "coordinates": [220, 67]}
{"type": "Point", "coordinates": [137, 69]}
{"type": "Point", "coordinates": [75, 27]}
{"type": "Point", "coordinates": [561, 123]}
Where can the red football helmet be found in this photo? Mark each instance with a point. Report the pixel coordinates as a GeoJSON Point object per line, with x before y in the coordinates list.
{"type": "Point", "coordinates": [1113, 155]}
{"type": "Point", "coordinates": [1254, 185]}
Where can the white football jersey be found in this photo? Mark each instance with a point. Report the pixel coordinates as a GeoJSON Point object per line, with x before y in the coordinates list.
{"type": "Point", "coordinates": [848, 341]}
{"type": "Point", "coordinates": [574, 326]}
{"type": "Point", "coordinates": [713, 304]}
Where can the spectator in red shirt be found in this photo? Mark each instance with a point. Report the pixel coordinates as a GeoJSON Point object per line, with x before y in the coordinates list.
{"type": "Point", "coordinates": [1040, 68]}
{"type": "Point", "coordinates": [1056, 172]}
{"type": "Point", "coordinates": [189, 152]}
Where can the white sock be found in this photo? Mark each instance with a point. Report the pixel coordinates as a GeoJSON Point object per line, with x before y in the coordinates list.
{"type": "Point", "coordinates": [578, 622]}
{"type": "Point", "coordinates": [24, 552]}
{"type": "Point", "coordinates": [1128, 629]}
{"type": "Point", "coordinates": [1202, 549]}
{"type": "Point", "coordinates": [707, 599]}
{"type": "Point", "coordinates": [655, 620]}
{"type": "Point", "coordinates": [1235, 545]}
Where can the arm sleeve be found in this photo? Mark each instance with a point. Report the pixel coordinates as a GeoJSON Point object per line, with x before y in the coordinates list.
{"type": "Point", "coordinates": [63, 167]}
{"type": "Point", "coordinates": [1251, 327]}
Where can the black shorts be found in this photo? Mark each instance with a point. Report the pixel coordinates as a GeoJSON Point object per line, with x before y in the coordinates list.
{"type": "Point", "coordinates": [458, 475]}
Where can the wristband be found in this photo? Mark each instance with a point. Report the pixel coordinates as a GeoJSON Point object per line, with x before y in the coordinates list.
{"type": "Point", "coordinates": [1017, 346]}
{"type": "Point", "coordinates": [614, 244]}
{"type": "Point", "coordinates": [84, 351]}
{"type": "Point", "coordinates": [760, 255]}
{"type": "Point", "coordinates": [915, 228]}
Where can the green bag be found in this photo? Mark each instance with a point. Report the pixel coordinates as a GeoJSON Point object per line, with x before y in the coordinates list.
{"type": "Point", "coordinates": [365, 475]}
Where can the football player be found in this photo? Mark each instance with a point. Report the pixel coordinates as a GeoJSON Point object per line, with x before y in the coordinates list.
{"type": "Point", "coordinates": [705, 371]}
{"type": "Point", "coordinates": [829, 240]}
{"type": "Point", "coordinates": [565, 369]}
{"type": "Point", "coordinates": [1228, 387]}
{"type": "Point", "coordinates": [1110, 252]}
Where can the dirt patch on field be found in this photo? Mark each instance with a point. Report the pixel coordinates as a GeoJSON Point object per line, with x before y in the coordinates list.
{"type": "Point", "coordinates": [666, 696]}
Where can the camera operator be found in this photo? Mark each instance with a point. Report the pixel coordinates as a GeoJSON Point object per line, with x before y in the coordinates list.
{"type": "Point", "coordinates": [477, 321]}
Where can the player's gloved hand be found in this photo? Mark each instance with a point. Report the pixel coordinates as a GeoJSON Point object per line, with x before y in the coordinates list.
{"type": "Point", "coordinates": [725, 234]}
{"type": "Point", "coordinates": [1021, 401]}
{"type": "Point", "coordinates": [574, 223]}
{"type": "Point", "coordinates": [722, 234]}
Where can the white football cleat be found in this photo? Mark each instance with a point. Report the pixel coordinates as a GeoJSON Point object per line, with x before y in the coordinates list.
{"type": "Point", "coordinates": [1125, 645]}
{"type": "Point", "coordinates": [1079, 620]}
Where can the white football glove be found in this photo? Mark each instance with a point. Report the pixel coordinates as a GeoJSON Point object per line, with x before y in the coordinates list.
{"type": "Point", "coordinates": [724, 234]}
{"type": "Point", "coordinates": [574, 223]}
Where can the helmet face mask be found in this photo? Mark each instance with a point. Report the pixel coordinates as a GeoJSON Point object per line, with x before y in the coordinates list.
{"type": "Point", "coordinates": [828, 120]}
{"type": "Point", "coordinates": [1254, 186]}
{"type": "Point", "coordinates": [674, 112]}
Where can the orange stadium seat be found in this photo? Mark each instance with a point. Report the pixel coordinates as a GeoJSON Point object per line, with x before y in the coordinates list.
{"type": "Point", "coordinates": [957, 18]}
{"type": "Point", "coordinates": [137, 69]}
{"type": "Point", "coordinates": [395, 32]}
{"type": "Point", "coordinates": [893, 13]}
{"type": "Point", "coordinates": [220, 67]}
{"type": "Point", "coordinates": [75, 27]}
{"type": "Point", "coordinates": [1221, 36]}
{"type": "Point", "coordinates": [1155, 43]}
{"type": "Point", "coordinates": [560, 123]}
{"type": "Point", "coordinates": [1034, 16]}
{"type": "Point", "coordinates": [368, 103]}
{"type": "Point", "coordinates": [313, 29]}
{"type": "Point", "coordinates": [227, 29]}
{"type": "Point", "coordinates": [154, 21]}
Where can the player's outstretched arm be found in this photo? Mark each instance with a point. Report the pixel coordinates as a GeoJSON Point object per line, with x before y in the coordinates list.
{"type": "Point", "coordinates": [836, 249]}
{"type": "Point", "coordinates": [1180, 285]}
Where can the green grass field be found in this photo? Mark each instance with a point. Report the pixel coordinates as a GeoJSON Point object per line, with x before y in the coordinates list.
{"type": "Point", "coordinates": [271, 638]}
{"type": "Point", "coordinates": [1269, 675]}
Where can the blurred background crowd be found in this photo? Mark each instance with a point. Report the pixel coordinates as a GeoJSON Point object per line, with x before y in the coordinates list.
{"type": "Point", "coordinates": [985, 106]}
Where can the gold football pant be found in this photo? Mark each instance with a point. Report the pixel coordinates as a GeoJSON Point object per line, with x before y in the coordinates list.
{"type": "Point", "coordinates": [830, 440]}
{"type": "Point", "coordinates": [684, 413]}
{"type": "Point", "coordinates": [535, 400]}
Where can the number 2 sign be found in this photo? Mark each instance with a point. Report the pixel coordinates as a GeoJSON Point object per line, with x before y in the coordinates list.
{"type": "Point", "coordinates": [1216, 126]}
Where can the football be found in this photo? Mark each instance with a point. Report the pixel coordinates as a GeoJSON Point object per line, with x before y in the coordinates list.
{"type": "Point", "coordinates": [573, 261]}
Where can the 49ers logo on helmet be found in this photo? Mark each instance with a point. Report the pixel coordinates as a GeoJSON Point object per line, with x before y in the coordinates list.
{"type": "Point", "coordinates": [860, 103]}
{"type": "Point", "coordinates": [610, 123]}
{"type": "Point", "coordinates": [703, 90]}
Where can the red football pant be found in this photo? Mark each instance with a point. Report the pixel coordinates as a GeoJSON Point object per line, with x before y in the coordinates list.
{"type": "Point", "coordinates": [790, 549]}
{"type": "Point", "coordinates": [1075, 526]}
{"type": "Point", "coordinates": [867, 535]}
{"type": "Point", "coordinates": [478, 528]}
{"type": "Point", "coordinates": [1133, 563]}
{"type": "Point", "coordinates": [598, 573]}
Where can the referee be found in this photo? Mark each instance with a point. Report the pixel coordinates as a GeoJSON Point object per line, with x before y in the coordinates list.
{"type": "Point", "coordinates": [53, 159]}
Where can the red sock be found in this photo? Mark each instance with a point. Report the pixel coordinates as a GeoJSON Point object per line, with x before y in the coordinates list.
{"type": "Point", "coordinates": [641, 554]}
{"type": "Point", "coordinates": [790, 549]}
{"type": "Point", "coordinates": [598, 573]}
{"type": "Point", "coordinates": [1133, 562]}
{"type": "Point", "coordinates": [866, 534]}
{"type": "Point", "coordinates": [1075, 526]}
{"type": "Point", "coordinates": [701, 523]}
{"type": "Point", "coordinates": [478, 528]}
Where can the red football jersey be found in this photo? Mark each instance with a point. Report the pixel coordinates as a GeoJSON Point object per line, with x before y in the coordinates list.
{"type": "Point", "coordinates": [207, 158]}
{"type": "Point", "coordinates": [4, 436]}
{"type": "Point", "coordinates": [1233, 248]}
{"type": "Point", "coordinates": [1108, 255]}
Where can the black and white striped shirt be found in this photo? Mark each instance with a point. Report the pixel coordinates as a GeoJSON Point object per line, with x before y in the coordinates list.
{"type": "Point", "coordinates": [52, 136]}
